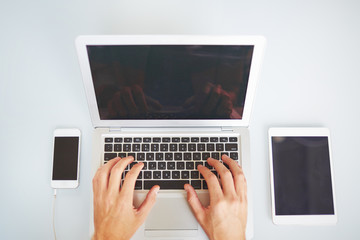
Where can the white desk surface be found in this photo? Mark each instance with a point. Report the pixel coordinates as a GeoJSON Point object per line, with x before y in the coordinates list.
{"type": "Point", "coordinates": [310, 77]}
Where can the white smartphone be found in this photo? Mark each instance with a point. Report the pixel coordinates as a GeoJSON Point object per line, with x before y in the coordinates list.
{"type": "Point", "coordinates": [65, 167]}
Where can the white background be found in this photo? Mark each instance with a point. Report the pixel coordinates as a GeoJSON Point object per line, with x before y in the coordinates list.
{"type": "Point", "coordinates": [310, 77]}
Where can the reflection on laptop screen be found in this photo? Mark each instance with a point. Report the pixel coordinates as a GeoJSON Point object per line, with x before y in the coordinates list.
{"type": "Point", "coordinates": [170, 81]}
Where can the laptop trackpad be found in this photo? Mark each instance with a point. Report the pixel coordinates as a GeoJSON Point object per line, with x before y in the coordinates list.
{"type": "Point", "coordinates": [171, 214]}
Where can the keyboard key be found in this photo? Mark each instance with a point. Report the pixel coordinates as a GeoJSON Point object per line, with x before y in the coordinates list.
{"type": "Point", "coordinates": [166, 139]}
{"type": "Point", "coordinates": [173, 147]}
{"type": "Point", "coordinates": [166, 174]}
{"type": "Point", "coordinates": [214, 139]}
{"type": "Point", "coordinates": [155, 147]}
{"type": "Point", "coordinates": [122, 155]}
{"type": "Point", "coordinates": [204, 184]}
{"type": "Point", "coordinates": [156, 139]}
{"type": "Point", "coordinates": [204, 139]}
{"type": "Point", "coordinates": [133, 155]}
{"type": "Point", "coordinates": [127, 147]}
{"type": "Point", "coordinates": [156, 174]}
{"type": "Point", "coordinates": [187, 156]}
{"type": "Point", "coordinates": [145, 147]}
{"type": "Point", "coordinates": [169, 156]}
{"type": "Point", "coordinates": [164, 147]}
{"type": "Point", "coordinates": [171, 165]}
{"type": "Point", "coordinates": [109, 156]}
{"type": "Point", "coordinates": [108, 140]}
{"type": "Point", "coordinates": [205, 156]}
{"type": "Point", "coordinates": [185, 139]}
{"type": "Point", "coordinates": [117, 147]}
{"type": "Point", "coordinates": [128, 140]}
{"type": "Point", "coordinates": [210, 147]}
{"type": "Point", "coordinates": [198, 163]}
{"type": "Point", "coordinates": [194, 175]}
{"type": "Point", "coordinates": [233, 139]}
{"type": "Point", "coordinates": [185, 174]}
{"type": "Point", "coordinates": [219, 147]}
{"type": "Point", "coordinates": [161, 165]}
{"type": "Point", "coordinates": [180, 165]}
{"type": "Point", "coordinates": [231, 147]}
{"type": "Point", "coordinates": [175, 139]}
{"type": "Point", "coordinates": [118, 140]}
{"type": "Point", "coordinates": [150, 156]}
{"type": "Point", "coordinates": [196, 156]}
{"type": "Point", "coordinates": [234, 155]}
{"type": "Point", "coordinates": [136, 147]}
{"type": "Point", "coordinates": [189, 165]}
{"type": "Point", "coordinates": [196, 184]}
{"type": "Point", "coordinates": [176, 175]}
{"type": "Point", "coordinates": [195, 139]}
{"type": "Point", "coordinates": [182, 147]}
{"type": "Point", "coordinates": [201, 147]}
{"type": "Point", "coordinates": [215, 155]}
{"type": "Point", "coordinates": [170, 184]}
{"type": "Point", "coordinates": [147, 175]}
{"type": "Point", "coordinates": [178, 156]}
{"type": "Point", "coordinates": [159, 156]}
{"type": "Point", "coordinates": [192, 147]}
{"type": "Point", "coordinates": [223, 139]}
{"type": "Point", "coordinates": [141, 156]}
{"type": "Point", "coordinates": [146, 140]}
{"type": "Point", "coordinates": [138, 185]}
{"type": "Point", "coordinates": [108, 148]}
{"type": "Point", "coordinates": [137, 140]}
{"type": "Point", "coordinates": [152, 165]}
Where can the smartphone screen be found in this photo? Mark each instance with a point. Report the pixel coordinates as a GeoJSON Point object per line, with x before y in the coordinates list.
{"type": "Point", "coordinates": [66, 150]}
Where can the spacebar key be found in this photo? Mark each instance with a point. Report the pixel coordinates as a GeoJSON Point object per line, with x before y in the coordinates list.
{"type": "Point", "coordinates": [171, 184]}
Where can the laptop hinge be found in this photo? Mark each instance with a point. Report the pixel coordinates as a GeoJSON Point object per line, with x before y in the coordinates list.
{"type": "Point", "coordinates": [114, 129]}
{"type": "Point", "coordinates": [227, 129]}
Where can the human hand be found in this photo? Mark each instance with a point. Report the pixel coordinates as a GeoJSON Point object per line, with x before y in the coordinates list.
{"type": "Point", "coordinates": [225, 218]}
{"type": "Point", "coordinates": [131, 101]}
{"type": "Point", "coordinates": [114, 214]}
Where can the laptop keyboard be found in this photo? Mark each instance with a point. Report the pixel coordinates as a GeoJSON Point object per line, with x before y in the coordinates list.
{"type": "Point", "coordinates": [170, 162]}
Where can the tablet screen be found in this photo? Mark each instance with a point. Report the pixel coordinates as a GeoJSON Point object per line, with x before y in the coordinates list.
{"type": "Point", "coordinates": [302, 176]}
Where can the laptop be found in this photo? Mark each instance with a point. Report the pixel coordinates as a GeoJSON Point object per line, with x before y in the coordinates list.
{"type": "Point", "coordinates": [171, 102]}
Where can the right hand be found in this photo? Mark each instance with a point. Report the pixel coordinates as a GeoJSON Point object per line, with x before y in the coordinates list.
{"type": "Point", "coordinates": [225, 218]}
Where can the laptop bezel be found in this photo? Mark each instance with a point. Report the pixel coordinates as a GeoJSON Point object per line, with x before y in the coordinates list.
{"type": "Point", "coordinates": [83, 41]}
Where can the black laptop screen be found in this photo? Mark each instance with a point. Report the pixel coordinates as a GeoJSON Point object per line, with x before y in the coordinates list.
{"type": "Point", "coordinates": [170, 81]}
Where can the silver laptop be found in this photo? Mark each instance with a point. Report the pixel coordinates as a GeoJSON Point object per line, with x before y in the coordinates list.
{"type": "Point", "coordinates": [171, 102]}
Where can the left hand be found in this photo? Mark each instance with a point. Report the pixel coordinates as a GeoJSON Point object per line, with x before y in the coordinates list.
{"type": "Point", "coordinates": [114, 214]}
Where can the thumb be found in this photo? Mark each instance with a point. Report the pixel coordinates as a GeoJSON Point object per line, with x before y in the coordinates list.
{"type": "Point", "coordinates": [195, 203]}
{"type": "Point", "coordinates": [149, 201]}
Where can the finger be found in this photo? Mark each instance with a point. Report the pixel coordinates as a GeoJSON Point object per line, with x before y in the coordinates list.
{"type": "Point", "coordinates": [116, 174]}
{"type": "Point", "coordinates": [226, 178]}
{"type": "Point", "coordinates": [212, 181]}
{"type": "Point", "coordinates": [128, 100]}
{"type": "Point", "coordinates": [238, 174]}
{"type": "Point", "coordinates": [149, 202]}
{"type": "Point", "coordinates": [101, 178]}
{"type": "Point", "coordinates": [139, 99]}
{"type": "Point", "coordinates": [195, 204]}
{"type": "Point", "coordinates": [127, 189]}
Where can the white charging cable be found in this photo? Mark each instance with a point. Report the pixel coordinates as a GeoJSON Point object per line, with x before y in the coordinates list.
{"type": "Point", "coordinates": [53, 214]}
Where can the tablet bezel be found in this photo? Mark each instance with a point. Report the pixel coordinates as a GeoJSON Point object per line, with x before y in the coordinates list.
{"type": "Point", "coordinates": [330, 219]}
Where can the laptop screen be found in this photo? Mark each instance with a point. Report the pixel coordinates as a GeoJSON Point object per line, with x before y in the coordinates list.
{"type": "Point", "coordinates": [170, 81]}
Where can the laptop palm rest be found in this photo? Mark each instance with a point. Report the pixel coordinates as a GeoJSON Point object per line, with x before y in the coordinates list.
{"type": "Point", "coordinates": [171, 216]}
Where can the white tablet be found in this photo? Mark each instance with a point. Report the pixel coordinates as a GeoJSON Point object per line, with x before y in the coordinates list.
{"type": "Point", "coordinates": [302, 182]}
